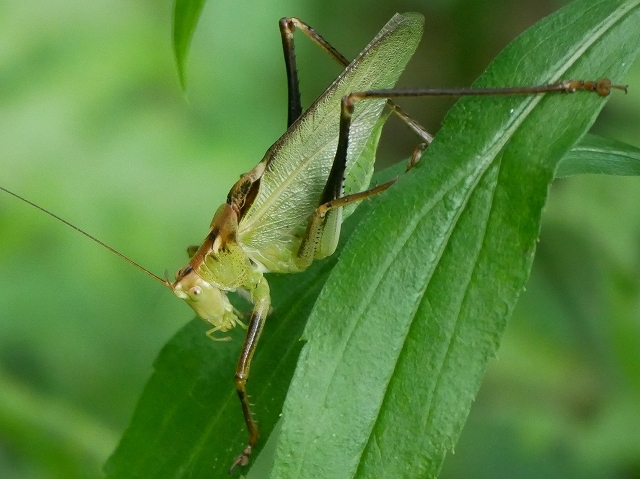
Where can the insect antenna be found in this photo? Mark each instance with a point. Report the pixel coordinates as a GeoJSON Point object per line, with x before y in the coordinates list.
{"type": "Point", "coordinates": [91, 237]}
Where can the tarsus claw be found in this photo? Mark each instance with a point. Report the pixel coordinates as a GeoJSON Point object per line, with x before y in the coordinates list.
{"type": "Point", "coordinates": [242, 460]}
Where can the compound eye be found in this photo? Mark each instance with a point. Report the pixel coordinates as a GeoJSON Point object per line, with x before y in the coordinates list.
{"type": "Point", "coordinates": [195, 291]}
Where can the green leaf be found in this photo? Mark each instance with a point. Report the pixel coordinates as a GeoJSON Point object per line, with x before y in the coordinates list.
{"type": "Point", "coordinates": [400, 336]}
{"type": "Point", "coordinates": [437, 268]}
{"type": "Point", "coordinates": [185, 18]}
{"type": "Point", "coordinates": [603, 156]}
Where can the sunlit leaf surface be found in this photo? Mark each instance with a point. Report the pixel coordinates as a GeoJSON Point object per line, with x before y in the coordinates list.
{"type": "Point", "coordinates": [401, 334]}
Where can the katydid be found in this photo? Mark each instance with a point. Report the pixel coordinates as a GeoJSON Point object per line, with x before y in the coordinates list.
{"type": "Point", "coordinates": [288, 210]}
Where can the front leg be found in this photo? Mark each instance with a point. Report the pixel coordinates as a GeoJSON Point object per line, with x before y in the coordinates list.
{"type": "Point", "coordinates": [262, 301]}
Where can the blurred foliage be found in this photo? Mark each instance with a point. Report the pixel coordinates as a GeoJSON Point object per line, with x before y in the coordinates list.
{"type": "Point", "coordinates": [94, 126]}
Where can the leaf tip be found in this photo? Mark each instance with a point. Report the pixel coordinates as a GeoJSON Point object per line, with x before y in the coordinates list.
{"type": "Point", "coordinates": [185, 18]}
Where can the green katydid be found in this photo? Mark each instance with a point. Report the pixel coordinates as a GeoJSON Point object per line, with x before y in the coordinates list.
{"type": "Point", "coordinates": [287, 211]}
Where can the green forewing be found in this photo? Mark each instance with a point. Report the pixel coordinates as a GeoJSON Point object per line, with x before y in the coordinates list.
{"type": "Point", "coordinates": [299, 163]}
{"type": "Point", "coordinates": [359, 176]}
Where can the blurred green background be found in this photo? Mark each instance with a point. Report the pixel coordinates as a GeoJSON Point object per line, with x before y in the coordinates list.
{"type": "Point", "coordinates": [94, 127]}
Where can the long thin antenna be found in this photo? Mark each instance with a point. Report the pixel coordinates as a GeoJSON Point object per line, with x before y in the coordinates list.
{"type": "Point", "coordinates": [130, 261]}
